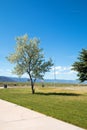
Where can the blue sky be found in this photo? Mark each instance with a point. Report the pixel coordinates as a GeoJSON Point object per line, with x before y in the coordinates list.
{"type": "Point", "coordinates": [61, 26]}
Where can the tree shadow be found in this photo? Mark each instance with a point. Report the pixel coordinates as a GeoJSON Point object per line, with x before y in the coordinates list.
{"type": "Point", "coordinates": [59, 94]}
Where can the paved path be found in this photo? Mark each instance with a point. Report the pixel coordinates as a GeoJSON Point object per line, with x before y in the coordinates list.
{"type": "Point", "coordinates": [14, 117]}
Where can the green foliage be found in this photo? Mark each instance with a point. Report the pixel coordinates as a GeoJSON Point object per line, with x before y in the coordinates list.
{"type": "Point", "coordinates": [65, 104]}
{"type": "Point", "coordinates": [29, 58]}
{"type": "Point", "coordinates": [81, 65]}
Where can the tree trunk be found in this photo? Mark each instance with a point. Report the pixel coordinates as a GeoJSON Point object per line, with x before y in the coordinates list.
{"type": "Point", "coordinates": [32, 87]}
{"type": "Point", "coordinates": [32, 83]}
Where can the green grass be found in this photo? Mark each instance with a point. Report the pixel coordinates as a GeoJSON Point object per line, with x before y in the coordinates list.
{"type": "Point", "coordinates": [67, 103]}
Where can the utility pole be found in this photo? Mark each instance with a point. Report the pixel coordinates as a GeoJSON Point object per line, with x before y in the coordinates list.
{"type": "Point", "coordinates": [54, 77]}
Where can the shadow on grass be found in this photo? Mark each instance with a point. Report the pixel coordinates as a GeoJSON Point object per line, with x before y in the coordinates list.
{"type": "Point", "coordinates": [59, 94]}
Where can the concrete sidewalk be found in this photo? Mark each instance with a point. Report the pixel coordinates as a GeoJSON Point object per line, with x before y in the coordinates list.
{"type": "Point", "coordinates": [14, 117]}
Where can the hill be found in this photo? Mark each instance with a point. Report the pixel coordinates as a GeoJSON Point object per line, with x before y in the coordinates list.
{"type": "Point", "coordinates": [12, 79]}
{"type": "Point", "coordinates": [15, 79]}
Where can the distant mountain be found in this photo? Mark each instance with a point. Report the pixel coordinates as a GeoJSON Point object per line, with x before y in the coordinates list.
{"type": "Point", "coordinates": [15, 79]}
{"type": "Point", "coordinates": [62, 81]}
{"type": "Point", "coordinates": [12, 79]}
{"type": "Point", "coordinates": [19, 79]}
{"type": "Point", "coordinates": [6, 79]}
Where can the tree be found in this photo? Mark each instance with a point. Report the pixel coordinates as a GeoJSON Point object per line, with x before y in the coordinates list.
{"type": "Point", "coordinates": [81, 65]}
{"type": "Point", "coordinates": [29, 58]}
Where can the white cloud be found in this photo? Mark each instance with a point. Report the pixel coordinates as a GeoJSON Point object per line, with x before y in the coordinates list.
{"type": "Point", "coordinates": [62, 72]}
{"type": "Point", "coordinates": [6, 72]}
{"type": "Point", "coordinates": [62, 69]}
{"type": "Point", "coordinates": [58, 72]}
{"type": "Point", "coordinates": [0, 70]}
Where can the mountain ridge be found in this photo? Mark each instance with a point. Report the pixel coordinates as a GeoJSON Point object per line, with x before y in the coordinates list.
{"type": "Point", "coordinates": [16, 79]}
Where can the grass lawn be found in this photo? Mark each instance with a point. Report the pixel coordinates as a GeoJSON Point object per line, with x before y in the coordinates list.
{"type": "Point", "coordinates": [65, 103]}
